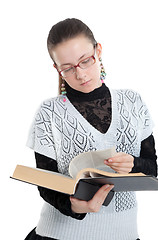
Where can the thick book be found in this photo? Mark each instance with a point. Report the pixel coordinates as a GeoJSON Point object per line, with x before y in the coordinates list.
{"type": "Point", "coordinates": [87, 174]}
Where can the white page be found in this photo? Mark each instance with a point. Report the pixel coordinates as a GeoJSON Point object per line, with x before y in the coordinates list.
{"type": "Point", "coordinates": [94, 159]}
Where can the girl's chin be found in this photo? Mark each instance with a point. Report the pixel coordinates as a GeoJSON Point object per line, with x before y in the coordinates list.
{"type": "Point", "coordinates": [89, 86]}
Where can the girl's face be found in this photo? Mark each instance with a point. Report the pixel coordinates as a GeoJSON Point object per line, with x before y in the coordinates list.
{"type": "Point", "coordinates": [74, 51]}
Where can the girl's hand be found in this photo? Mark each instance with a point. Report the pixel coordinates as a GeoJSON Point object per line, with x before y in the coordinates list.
{"type": "Point", "coordinates": [121, 162]}
{"type": "Point", "coordinates": [93, 205]}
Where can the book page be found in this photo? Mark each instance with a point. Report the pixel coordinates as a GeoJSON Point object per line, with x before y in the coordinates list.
{"type": "Point", "coordinates": [93, 159]}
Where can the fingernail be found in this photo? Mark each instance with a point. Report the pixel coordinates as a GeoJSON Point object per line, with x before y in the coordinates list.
{"type": "Point", "coordinates": [106, 186]}
{"type": "Point", "coordinates": [110, 160]}
{"type": "Point", "coordinates": [109, 186]}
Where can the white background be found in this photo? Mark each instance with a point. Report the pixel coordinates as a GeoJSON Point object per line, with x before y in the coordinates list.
{"type": "Point", "coordinates": [128, 33]}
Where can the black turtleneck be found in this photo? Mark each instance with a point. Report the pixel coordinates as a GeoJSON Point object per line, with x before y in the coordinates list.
{"type": "Point", "coordinates": [96, 108]}
{"type": "Point", "coordinates": [77, 96]}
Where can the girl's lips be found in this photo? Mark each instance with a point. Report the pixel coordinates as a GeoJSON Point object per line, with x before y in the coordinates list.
{"type": "Point", "coordinates": [85, 82]}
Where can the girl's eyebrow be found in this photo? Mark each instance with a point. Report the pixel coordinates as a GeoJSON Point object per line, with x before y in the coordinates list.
{"type": "Point", "coordinates": [78, 60]}
{"type": "Point", "coordinates": [82, 56]}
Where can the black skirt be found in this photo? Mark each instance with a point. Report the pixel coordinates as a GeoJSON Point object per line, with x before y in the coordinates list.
{"type": "Point", "coordinates": [33, 236]}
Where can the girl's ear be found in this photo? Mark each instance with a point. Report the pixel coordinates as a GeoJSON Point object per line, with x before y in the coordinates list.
{"type": "Point", "coordinates": [99, 50]}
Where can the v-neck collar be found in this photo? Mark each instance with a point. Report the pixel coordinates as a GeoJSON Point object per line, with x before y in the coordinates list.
{"type": "Point", "coordinates": [86, 124]}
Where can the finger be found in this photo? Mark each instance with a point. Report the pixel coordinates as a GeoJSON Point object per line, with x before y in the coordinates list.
{"type": "Point", "coordinates": [97, 201]}
{"type": "Point", "coordinates": [120, 164]}
{"type": "Point", "coordinates": [122, 170]}
{"type": "Point", "coordinates": [119, 155]}
{"type": "Point", "coordinates": [123, 159]}
{"type": "Point", "coordinates": [75, 200]}
{"type": "Point", "coordinates": [102, 193]}
{"type": "Point", "coordinates": [72, 199]}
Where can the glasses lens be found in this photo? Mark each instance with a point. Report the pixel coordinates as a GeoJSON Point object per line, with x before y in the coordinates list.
{"type": "Point", "coordinates": [87, 62]}
{"type": "Point", "coordinates": [67, 72]}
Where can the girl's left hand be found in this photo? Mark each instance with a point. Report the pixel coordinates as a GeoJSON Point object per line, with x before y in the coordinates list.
{"type": "Point", "coordinates": [121, 162]}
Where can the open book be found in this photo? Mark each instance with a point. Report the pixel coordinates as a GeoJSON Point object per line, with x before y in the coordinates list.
{"type": "Point", "coordinates": [87, 174]}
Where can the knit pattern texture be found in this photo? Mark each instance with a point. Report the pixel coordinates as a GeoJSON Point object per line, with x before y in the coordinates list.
{"type": "Point", "coordinates": [60, 132]}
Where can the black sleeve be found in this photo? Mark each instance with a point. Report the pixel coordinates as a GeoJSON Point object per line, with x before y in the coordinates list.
{"type": "Point", "coordinates": [59, 200]}
{"type": "Point", "coordinates": [146, 163]}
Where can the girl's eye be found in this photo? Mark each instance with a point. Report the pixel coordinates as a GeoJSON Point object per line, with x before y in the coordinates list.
{"type": "Point", "coordinates": [68, 69]}
{"type": "Point", "coordinates": [86, 61]}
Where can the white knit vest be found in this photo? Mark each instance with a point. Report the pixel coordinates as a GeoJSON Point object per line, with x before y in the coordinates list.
{"type": "Point", "coordinates": [60, 132]}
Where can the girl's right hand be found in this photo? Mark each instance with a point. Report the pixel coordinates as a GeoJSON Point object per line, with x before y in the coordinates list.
{"type": "Point", "coordinates": [93, 205]}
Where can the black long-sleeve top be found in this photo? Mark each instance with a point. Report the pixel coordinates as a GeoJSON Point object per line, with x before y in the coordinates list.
{"type": "Point", "coordinates": [96, 108]}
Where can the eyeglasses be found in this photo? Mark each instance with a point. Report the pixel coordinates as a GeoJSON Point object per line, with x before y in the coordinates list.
{"type": "Point", "coordinates": [85, 63]}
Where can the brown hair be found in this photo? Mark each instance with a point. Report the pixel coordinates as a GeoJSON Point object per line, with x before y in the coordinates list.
{"type": "Point", "coordinates": [65, 30]}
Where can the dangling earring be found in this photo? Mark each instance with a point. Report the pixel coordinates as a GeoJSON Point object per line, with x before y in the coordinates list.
{"type": "Point", "coordinates": [102, 73]}
{"type": "Point", "coordinates": [63, 90]}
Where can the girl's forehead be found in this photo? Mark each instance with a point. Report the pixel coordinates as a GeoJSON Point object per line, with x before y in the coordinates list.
{"type": "Point", "coordinates": [71, 50]}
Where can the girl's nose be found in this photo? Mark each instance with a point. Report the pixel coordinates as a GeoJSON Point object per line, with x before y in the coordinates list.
{"type": "Point", "coordinates": [80, 73]}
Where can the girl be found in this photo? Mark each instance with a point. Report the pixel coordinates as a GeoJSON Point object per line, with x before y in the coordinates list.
{"type": "Point", "coordinates": [88, 116]}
